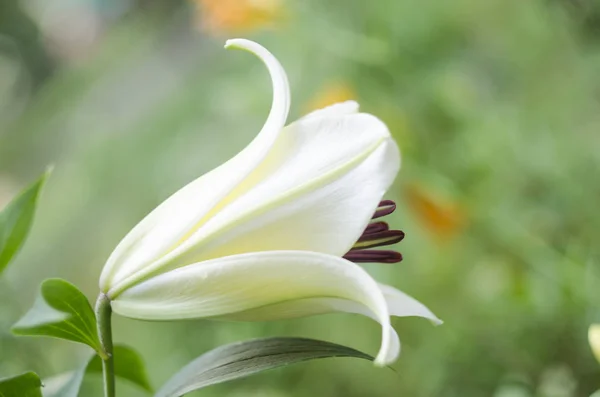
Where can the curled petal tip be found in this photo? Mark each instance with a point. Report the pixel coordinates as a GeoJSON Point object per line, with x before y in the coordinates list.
{"type": "Point", "coordinates": [239, 43]}
{"type": "Point", "coordinates": [229, 43]}
{"type": "Point", "coordinates": [386, 358]}
{"type": "Point", "coordinates": [382, 362]}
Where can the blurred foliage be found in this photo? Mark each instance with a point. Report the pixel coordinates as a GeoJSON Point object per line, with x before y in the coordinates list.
{"type": "Point", "coordinates": [20, 37]}
{"type": "Point", "coordinates": [494, 104]}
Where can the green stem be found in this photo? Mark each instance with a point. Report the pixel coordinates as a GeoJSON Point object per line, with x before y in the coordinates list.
{"type": "Point", "coordinates": [103, 314]}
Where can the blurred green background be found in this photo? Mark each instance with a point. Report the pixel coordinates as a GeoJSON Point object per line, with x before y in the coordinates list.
{"type": "Point", "coordinates": [494, 104]}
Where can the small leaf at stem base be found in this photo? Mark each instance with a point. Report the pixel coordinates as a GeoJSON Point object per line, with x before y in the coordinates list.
{"type": "Point", "coordinates": [128, 365]}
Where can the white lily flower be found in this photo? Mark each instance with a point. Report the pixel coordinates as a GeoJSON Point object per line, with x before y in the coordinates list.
{"type": "Point", "coordinates": [275, 231]}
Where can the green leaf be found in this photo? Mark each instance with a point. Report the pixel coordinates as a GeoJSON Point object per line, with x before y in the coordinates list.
{"type": "Point", "coordinates": [242, 359]}
{"type": "Point", "coordinates": [16, 220]}
{"type": "Point", "coordinates": [67, 384]}
{"type": "Point", "coordinates": [25, 385]}
{"type": "Point", "coordinates": [61, 311]}
{"type": "Point", "coordinates": [128, 365]}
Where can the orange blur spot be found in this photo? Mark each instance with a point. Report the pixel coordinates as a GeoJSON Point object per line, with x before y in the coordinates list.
{"type": "Point", "coordinates": [443, 217]}
{"type": "Point", "coordinates": [237, 16]}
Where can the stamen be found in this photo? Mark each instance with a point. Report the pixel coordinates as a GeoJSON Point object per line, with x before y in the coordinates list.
{"type": "Point", "coordinates": [369, 256]}
{"type": "Point", "coordinates": [377, 234]}
{"type": "Point", "coordinates": [376, 227]}
{"type": "Point", "coordinates": [385, 207]}
{"type": "Point", "coordinates": [373, 240]}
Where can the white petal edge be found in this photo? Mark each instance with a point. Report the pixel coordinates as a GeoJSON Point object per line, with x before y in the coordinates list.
{"type": "Point", "coordinates": [239, 283]}
{"type": "Point", "coordinates": [312, 307]}
{"type": "Point", "coordinates": [165, 227]}
{"type": "Point", "coordinates": [399, 304]}
{"type": "Point", "coordinates": [319, 197]}
{"type": "Point", "coordinates": [404, 305]}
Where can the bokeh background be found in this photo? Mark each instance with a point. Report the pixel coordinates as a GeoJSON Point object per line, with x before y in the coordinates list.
{"type": "Point", "coordinates": [493, 102]}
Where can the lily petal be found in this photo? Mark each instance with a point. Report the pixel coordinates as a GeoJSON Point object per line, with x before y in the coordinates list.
{"type": "Point", "coordinates": [310, 307]}
{"type": "Point", "coordinates": [399, 304]}
{"type": "Point", "coordinates": [165, 227]}
{"type": "Point", "coordinates": [403, 305]}
{"type": "Point", "coordinates": [240, 283]}
{"type": "Point", "coordinates": [326, 177]}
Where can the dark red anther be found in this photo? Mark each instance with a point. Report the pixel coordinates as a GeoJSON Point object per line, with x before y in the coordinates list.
{"type": "Point", "coordinates": [370, 256]}
{"type": "Point", "coordinates": [387, 237]}
{"type": "Point", "coordinates": [385, 207]}
{"type": "Point", "coordinates": [377, 234]}
{"type": "Point", "coordinates": [376, 227]}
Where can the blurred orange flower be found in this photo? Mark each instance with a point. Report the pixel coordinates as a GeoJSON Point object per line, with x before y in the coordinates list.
{"type": "Point", "coordinates": [235, 16]}
{"type": "Point", "coordinates": [442, 216]}
{"type": "Point", "coordinates": [332, 93]}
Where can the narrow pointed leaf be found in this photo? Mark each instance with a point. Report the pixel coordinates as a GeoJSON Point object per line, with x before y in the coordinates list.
{"type": "Point", "coordinates": [128, 365]}
{"type": "Point", "coordinates": [16, 220]}
{"type": "Point", "coordinates": [61, 311]}
{"type": "Point", "coordinates": [25, 385]}
{"type": "Point", "coordinates": [242, 359]}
